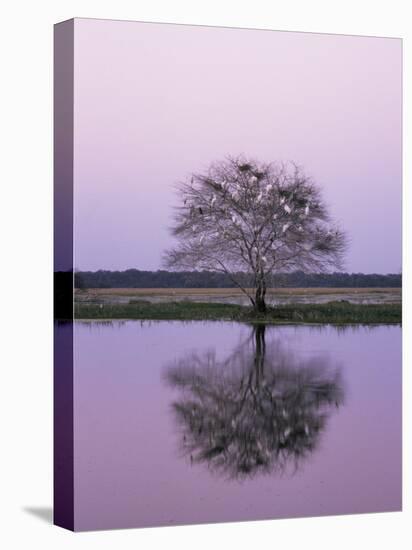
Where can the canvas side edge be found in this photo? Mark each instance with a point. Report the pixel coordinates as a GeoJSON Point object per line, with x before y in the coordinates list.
{"type": "Point", "coordinates": [63, 451]}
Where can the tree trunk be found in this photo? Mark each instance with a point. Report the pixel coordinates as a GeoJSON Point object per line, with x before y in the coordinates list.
{"type": "Point", "coordinates": [260, 304]}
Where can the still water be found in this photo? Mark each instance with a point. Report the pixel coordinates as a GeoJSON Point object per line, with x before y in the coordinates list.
{"type": "Point", "coordinates": [205, 422]}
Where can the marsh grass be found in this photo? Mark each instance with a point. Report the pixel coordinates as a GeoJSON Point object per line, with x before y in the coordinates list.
{"type": "Point", "coordinates": [337, 312]}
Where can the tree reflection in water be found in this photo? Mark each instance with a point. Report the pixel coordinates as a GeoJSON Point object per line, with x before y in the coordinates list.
{"type": "Point", "coordinates": [259, 411]}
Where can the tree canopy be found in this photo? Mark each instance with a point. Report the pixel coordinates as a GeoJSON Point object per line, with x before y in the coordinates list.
{"type": "Point", "coordinates": [255, 218]}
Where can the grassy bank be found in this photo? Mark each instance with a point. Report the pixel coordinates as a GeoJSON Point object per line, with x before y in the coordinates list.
{"type": "Point", "coordinates": [332, 312]}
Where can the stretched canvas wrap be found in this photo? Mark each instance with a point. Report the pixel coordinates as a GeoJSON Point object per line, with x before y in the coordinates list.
{"type": "Point", "coordinates": [227, 274]}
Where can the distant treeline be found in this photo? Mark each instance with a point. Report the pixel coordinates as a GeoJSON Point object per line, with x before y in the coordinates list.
{"type": "Point", "coordinates": [134, 278]}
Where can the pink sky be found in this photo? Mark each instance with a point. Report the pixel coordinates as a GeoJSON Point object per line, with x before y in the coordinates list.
{"type": "Point", "coordinates": [154, 102]}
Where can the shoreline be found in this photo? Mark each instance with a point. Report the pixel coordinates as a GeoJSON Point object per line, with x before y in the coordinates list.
{"type": "Point", "coordinates": [337, 313]}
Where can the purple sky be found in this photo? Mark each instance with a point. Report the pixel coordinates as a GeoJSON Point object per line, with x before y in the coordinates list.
{"type": "Point", "coordinates": [155, 102]}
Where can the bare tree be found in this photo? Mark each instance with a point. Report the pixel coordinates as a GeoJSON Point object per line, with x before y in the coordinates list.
{"type": "Point", "coordinates": [257, 412]}
{"type": "Point", "coordinates": [244, 217]}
